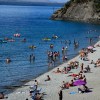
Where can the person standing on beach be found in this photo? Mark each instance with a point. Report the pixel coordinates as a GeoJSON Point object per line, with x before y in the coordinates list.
{"type": "Point", "coordinates": [36, 84]}
{"type": "Point", "coordinates": [82, 67]}
{"type": "Point", "coordinates": [60, 95]}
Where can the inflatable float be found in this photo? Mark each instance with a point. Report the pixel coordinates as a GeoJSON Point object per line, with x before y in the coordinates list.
{"type": "Point", "coordinates": [32, 47]}
{"type": "Point", "coordinates": [46, 39]}
{"type": "Point", "coordinates": [17, 35]}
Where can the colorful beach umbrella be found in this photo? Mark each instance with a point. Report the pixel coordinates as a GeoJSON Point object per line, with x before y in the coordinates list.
{"type": "Point", "coordinates": [79, 82]}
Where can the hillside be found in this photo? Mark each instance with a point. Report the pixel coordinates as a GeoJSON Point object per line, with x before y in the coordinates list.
{"type": "Point", "coordinates": [79, 10]}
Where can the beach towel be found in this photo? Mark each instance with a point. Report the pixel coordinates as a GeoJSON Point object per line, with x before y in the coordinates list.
{"type": "Point", "coordinates": [73, 92]}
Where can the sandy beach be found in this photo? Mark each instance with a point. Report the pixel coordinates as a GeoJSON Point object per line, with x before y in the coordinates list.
{"type": "Point", "coordinates": [52, 87]}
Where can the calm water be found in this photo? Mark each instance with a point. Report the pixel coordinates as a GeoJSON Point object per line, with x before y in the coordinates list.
{"type": "Point", "coordinates": [34, 24]}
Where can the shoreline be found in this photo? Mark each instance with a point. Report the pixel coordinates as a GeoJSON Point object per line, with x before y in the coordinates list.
{"type": "Point", "coordinates": [23, 82]}
{"type": "Point", "coordinates": [12, 88]}
{"type": "Point", "coordinates": [25, 89]}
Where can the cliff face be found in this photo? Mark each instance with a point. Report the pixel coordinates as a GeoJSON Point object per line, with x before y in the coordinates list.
{"type": "Point", "coordinates": [78, 12]}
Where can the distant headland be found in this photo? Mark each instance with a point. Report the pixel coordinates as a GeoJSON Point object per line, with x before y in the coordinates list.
{"type": "Point", "coordinates": [31, 3]}
{"type": "Point", "coordinates": [79, 10]}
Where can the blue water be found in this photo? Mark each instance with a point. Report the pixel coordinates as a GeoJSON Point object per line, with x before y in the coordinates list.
{"type": "Point", "coordinates": [33, 23]}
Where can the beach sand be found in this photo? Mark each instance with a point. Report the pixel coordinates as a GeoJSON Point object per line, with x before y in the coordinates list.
{"type": "Point", "coordinates": [52, 87]}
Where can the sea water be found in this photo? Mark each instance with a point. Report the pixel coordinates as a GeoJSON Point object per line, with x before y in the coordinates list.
{"type": "Point", "coordinates": [34, 24]}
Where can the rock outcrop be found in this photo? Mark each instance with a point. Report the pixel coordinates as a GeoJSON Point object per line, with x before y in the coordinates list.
{"type": "Point", "coordinates": [88, 11]}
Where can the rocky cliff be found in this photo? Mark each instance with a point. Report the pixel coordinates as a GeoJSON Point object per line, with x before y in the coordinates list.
{"type": "Point", "coordinates": [88, 11]}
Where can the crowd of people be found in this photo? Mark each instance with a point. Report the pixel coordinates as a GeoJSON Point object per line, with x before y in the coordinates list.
{"type": "Point", "coordinates": [53, 56]}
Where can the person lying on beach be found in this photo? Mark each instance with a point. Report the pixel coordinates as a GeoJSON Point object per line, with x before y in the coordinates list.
{"type": "Point", "coordinates": [97, 63]}
{"type": "Point", "coordinates": [57, 71]}
{"type": "Point", "coordinates": [87, 69]}
{"type": "Point", "coordinates": [86, 59]}
{"type": "Point", "coordinates": [83, 89]}
{"type": "Point", "coordinates": [48, 78]}
{"type": "Point", "coordinates": [80, 76]}
{"type": "Point", "coordinates": [64, 70]}
{"type": "Point", "coordinates": [98, 45]}
{"type": "Point", "coordinates": [92, 62]}
{"type": "Point", "coordinates": [71, 83]}
{"type": "Point", "coordinates": [38, 96]}
{"type": "Point", "coordinates": [68, 68]}
{"type": "Point", "coordinates": [65, 85]}
{"type": "Point", "coordinates": [74, 64]}
{"type": "Point", "coordinates": [73, 75]}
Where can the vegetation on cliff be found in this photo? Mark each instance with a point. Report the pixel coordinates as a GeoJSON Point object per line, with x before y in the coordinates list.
{"type": "Point", "coordinates": [96, 3]}
{"type": "Point", "coordinates": [79, 10]}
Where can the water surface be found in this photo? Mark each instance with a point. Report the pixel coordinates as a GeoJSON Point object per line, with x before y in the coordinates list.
{"type": "Point", "coordinates": [33, 23]}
